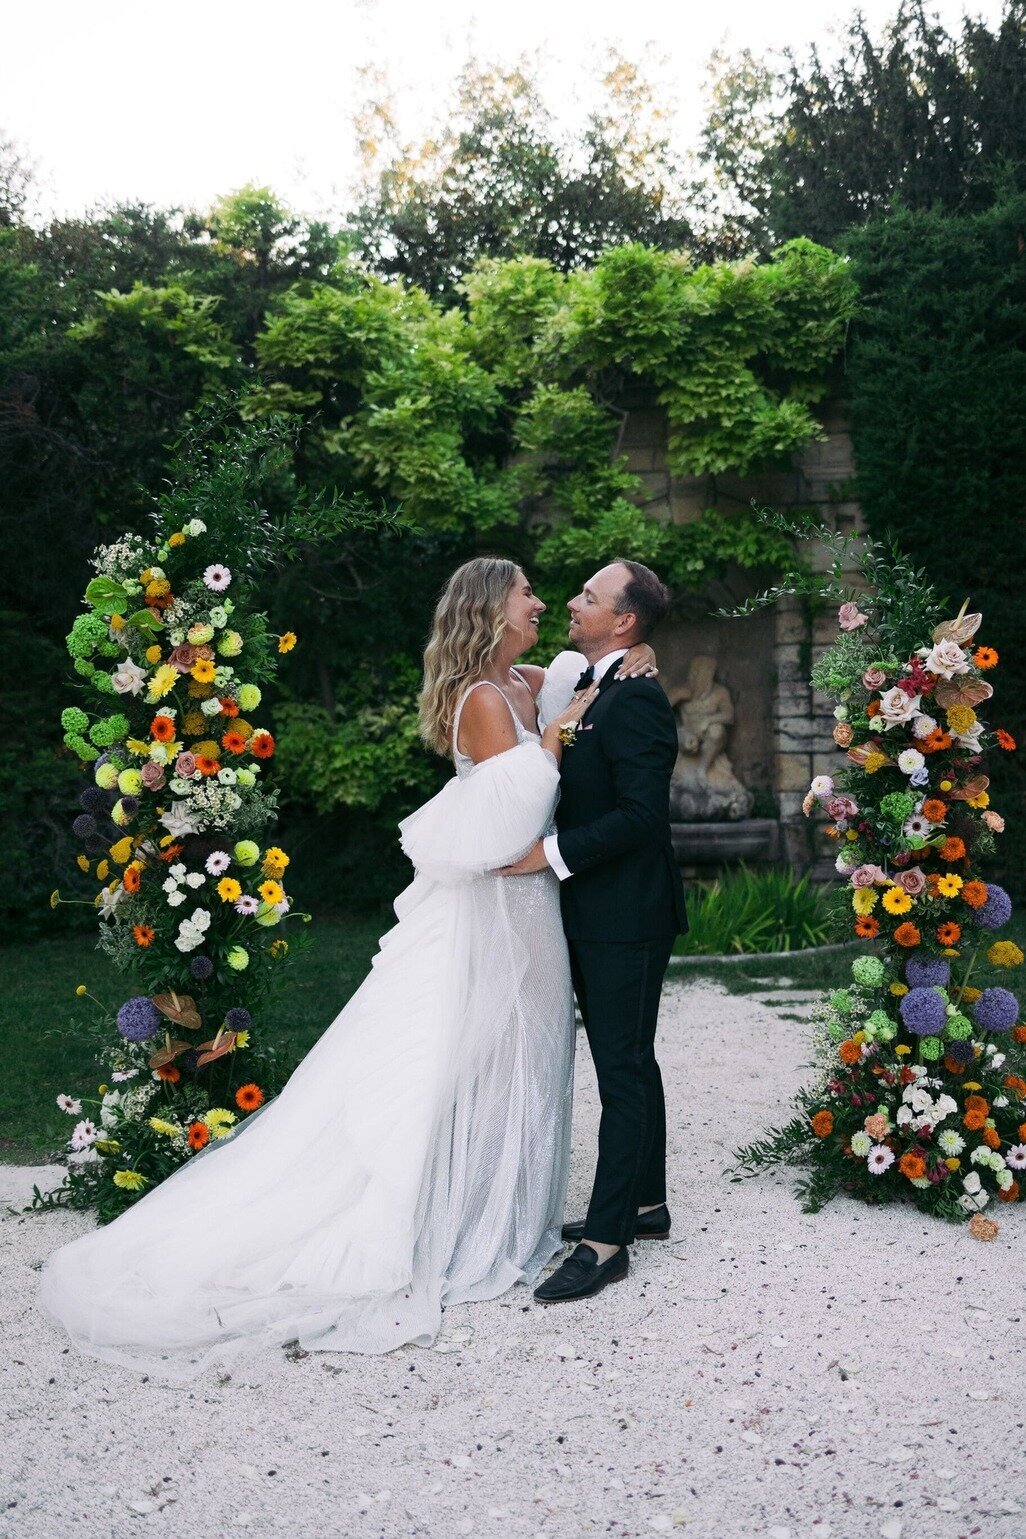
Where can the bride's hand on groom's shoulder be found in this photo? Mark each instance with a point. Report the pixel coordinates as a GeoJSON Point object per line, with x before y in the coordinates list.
{"type": "Point", "coordinates": [638, 663]}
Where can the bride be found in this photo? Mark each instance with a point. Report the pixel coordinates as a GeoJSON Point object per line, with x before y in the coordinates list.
{"type": "Point", "coordinates": [418, 1155]}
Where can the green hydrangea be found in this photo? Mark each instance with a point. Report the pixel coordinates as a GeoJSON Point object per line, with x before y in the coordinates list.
{"type": "Point", "coordinates": [108, 648]}
{"type": "Point", "coordinates": [73, 719]}
{"type": "Point", "coordinates": [868, 971]}
{"type": "Point", "coordinates": [102, 682]}
{"type": "Point", "coordinates": [79, 746]}
{"type": "Point", "coordinates": [836, 1031]}
{"type": "Point", "coordinates": [111, 729]}
{"type": "Point", "coordinates": [959, 1027]}
{"type": "Point", "coordinates": [86, 633]}
{"type": "Point", "coordinates": [931, 1048]}
{"type": "Point", "coordinates": [840, 1000]}
{"type": "Point", "coordinates": [896, 806]}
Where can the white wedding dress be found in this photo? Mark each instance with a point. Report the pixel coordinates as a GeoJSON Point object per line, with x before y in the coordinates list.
{"type": "Point", "coordinates": [418, 1155]}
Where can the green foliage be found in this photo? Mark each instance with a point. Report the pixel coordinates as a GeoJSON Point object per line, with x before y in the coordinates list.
{"type": "Point", "coordinates": [936, 376]}
{"type": "Point", "coordinates": [911, 118]}
{"type": "Point", "coordinates": [755, 911]}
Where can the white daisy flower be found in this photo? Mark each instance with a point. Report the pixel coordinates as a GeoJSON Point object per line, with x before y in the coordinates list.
{"type": "Point", "coordinates": [246, 904]}
{"type": "Point", "coordinates": [122, 1074]}
{"type": "Point", "coordinates": [217, 863]}
{"type": "Point", "coordinates": [1015, 1157]}
{"type": "Point", "coordinates": [68, 1104]}
{"type": "Point", "coordinates": [217, 577]}
{"type": "Point", "coordinates": [83, 1134]}
{"type": "Point", "coordinates": [880, 1159]}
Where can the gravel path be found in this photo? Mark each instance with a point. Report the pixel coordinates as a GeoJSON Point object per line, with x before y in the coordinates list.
{"type": "Point", "coordinates": [858, 1373]}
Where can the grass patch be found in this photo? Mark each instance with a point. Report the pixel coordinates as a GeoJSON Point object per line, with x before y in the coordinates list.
{"type": "Point", "coordinates": [44, 1057]}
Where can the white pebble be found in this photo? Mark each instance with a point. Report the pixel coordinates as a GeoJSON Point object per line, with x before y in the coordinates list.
{"type": "Point", "coordinates": [891, 1529]}
{"type": "Point", "coordinates": [979, 1394]}
{"type": "Point", "coordinates": [750, 1437]}
{"type": "Point", "coordinates": [948, 1504]}
{"type": "Point", "coordinates": [662, 1524]}
{"type": "Point", "coordinates": [143, 1507]}
{"type": "Point", "coordinates": [779, 1533]}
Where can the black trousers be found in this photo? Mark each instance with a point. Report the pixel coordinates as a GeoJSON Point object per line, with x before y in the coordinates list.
{"type": "Point", "coordinates": [617, 984]}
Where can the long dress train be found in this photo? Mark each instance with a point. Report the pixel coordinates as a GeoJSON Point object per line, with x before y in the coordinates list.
{"type": "Point", "coordinates": [416, 1158]}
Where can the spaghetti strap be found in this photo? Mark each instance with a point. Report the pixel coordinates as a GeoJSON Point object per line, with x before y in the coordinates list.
{"type": "Point", "coordinates": [517, 723]}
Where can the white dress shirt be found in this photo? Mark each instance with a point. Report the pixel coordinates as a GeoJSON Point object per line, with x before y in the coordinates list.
{"type": "Point", "coordinates": [550, 845]}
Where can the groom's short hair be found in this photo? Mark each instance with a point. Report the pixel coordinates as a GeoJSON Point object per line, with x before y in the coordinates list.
{"type": "Point", "coordinates": [643, 596]}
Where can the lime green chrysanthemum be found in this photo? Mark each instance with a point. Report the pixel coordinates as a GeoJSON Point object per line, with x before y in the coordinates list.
{"type": "Point", "coordinates": [840, 999]}
{"type": "Point", "coordinates": [249, 697]}
{"type": "Point", "coordinates": [868, 971]}
{"type": "Point", "coordinates": [238, 959]}
{"type": "Point", "coordinates": [129, 1180]}
{"type": "Point", "coordinates": [959, 1027]}
{"type": "Point", "coordinates": [931, 1048]}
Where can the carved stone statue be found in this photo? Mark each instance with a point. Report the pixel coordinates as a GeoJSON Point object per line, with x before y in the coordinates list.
{"type": "Point", "coordinates": [704, 788]}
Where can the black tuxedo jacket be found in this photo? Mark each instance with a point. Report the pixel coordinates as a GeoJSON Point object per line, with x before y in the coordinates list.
{"type": "Point", "coordinates": [613, 818]}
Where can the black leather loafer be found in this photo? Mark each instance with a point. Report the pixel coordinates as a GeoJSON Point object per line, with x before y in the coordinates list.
{"type": "Point", "coordinates": [651, 1226]}
{"type": "Point", "coordinates": [581, 1275]}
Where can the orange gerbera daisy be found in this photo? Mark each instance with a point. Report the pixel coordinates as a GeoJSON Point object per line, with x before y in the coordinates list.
{"type": "Point", "coordinates": [936, 741]}
{"type": "Point", "coordinates": [953, 848]}
{"type": "Point", "coordinates": [935, 809]}
{"type": "Point", "coordinates": [975, 894]}
{"type": "Point", "coordinates": [143, 934]}
{"type": "Point", "coordinates": [823, 1123]}
{"type": "Point", "coordinates": [132, 879]}
{"type": "Point", "coordinates": [206, 765]}
{"type": "Point", "coordinates": [171, 852]}
{"type": "Point", "coordinates": [162, 728]}
{"type": "Point", "coordinates": [912, 1165]}
{"type": "Point", "coordinates": [229, 707]}
{"type": "Point", "coordinates": [249, 1097]}
{"type": "Point", "coordinates": [949, 933]}
{"type": "Point", "coordinates": [849, 1052]}
{"type": "Point", "coordinates": [907, 935]}
{"type": "Point", "coordinates": [866, 927]}
{"type": "Point", "coordinates": [261, 745]}
{"type": "Point", "coordinates": [169, 1072]}
{"type": "Point", "coordinates": [199, 1135]}
{"type": "Point", "coordinates": [985, 657]}
{"type": "Point", "coordinates": [1005, 740]}
{"type": "Point", "coordinates": [233, 741]}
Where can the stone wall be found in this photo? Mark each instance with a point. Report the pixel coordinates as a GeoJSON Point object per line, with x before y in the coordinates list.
{"type": "Point", "coordinates": [782, 731]}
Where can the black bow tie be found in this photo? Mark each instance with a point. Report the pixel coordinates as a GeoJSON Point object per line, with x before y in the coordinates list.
{"type": "Point", "coordinates": [586, 678]}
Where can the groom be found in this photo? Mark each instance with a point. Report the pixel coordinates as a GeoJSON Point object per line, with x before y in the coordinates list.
{"type": "Point", "coordinates": [623, 905]}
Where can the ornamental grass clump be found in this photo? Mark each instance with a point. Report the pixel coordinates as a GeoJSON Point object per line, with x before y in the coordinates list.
{"type": "Point", "coordinates": [921, 1091]}
{"type": "Point", "coordinates": [191, 895]}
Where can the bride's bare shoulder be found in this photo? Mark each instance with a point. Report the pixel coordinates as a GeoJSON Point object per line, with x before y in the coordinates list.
{"type": "Point", "coordinates": [532, 675]}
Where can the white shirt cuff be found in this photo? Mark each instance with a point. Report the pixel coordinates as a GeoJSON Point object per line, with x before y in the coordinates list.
{"type": "Point", "coordinates": [550, 845]}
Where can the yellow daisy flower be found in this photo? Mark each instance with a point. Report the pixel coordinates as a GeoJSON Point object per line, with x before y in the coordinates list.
{"type": "Point", "coordinates": [129, 1180]}
{"type": "Point", "coordinates": [864, 900]}
{"type": "Point", "coordinates": [896, 901]}
{"type": "Point", "coordinates": [229, 890]}
{"type": "Point", "coordinates": [950, 885]}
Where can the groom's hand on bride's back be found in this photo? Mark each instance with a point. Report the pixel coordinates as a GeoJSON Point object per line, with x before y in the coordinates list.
{"type": "Point", "coordinates": [534, 860]}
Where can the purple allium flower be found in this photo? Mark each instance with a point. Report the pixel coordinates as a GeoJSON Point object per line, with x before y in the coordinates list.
{"type": "Point", "coordinates": [238, 1019]}
{"type": "Point", "coordinates": [189, 1061]}
{"type": "Point", "coordinates": [926, 972]}
{"type": "Point", "coordinates": [138, 1019]}
{"type": "Point", "coordinates": [201, 967]}
{"type": "Point", "coordinates": [94, 845]}
{"type": "Point", "coordinates": [995, 1010]}
{"type": "Point", "coordinates": [996, 911]}
{"type": "Point", "coordinates": [959, 1052]}
{"type": "Point", "coordinates": [129, 804]}
{"type": "Point", "coordinates": [92, 799]}
{"type": "Point", "coordinates": [923, 1012]}
{"type": "Point", "coordinates": [83, 826]}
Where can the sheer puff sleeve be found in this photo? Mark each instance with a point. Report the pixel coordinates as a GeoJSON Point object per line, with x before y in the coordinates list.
{"type": "Point", "coordinates": [557, 691]}
{"type": "Point", "coordinates": [487, 819]}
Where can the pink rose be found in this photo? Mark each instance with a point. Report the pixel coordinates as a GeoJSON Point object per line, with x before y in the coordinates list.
{"type": "Point", "coordinates": [185, 764]}
{"type": "Point", "coordinates": [849, 617]}
{"type": "Point", "coordinates": [994, 821]}
{"type": "Point", "coordinates": [867, 876]}
{"type": "Point", "coordinates": [873, 679]}
{"type": "Point", "coordinates": [842, 734]}
{"type": "Point", "coordinates": [182, 657]}
{"type": "Point", "coordinates": [153, 775]}
{"type": "Point", "coordinates": [912, 881]}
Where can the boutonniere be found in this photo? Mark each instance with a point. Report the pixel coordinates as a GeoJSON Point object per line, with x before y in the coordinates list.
{"type": "Point", "coordinates": [568, 735]}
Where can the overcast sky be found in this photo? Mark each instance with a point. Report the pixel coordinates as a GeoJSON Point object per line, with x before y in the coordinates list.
{"type": "Point", "coordinates": [124, 99]}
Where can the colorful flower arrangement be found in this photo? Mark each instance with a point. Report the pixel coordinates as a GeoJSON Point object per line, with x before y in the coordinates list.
{"type": "Point", "coordinates": [922, 1089]}
{"type": "Point", "coordinates": [191, 900]}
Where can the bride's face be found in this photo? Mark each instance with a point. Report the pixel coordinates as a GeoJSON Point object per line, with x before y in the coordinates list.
{"type": "Point", "coordinates": [523, 608]}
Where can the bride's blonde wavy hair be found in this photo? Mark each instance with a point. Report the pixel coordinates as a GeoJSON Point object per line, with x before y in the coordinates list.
{"type": "Point", "coordinates": [467, 631]}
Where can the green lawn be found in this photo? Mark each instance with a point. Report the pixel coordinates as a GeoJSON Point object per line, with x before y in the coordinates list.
{"type": "Point", "coordinates": [43, 1057]}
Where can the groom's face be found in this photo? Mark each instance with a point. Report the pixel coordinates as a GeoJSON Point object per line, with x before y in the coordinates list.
{"type": "Point", "coordinates": [594, 624]}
